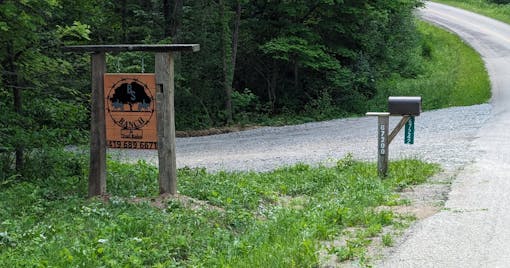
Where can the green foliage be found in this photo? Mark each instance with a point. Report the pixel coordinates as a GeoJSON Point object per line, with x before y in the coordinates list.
{"type": "Point", "coordinates": [38, 109]}
{"type": "Point", "coordinates": [301, 61]}
{"type": "Point", "coordinates": [454, 74]}
{"type": "Point", "coordinates": [288, 54]}
{"type": "Point", "coordinates": [76, 31]}
{"type": "Point", "coordinates": [500, 1]}
{"type": "Point", "coordinates": [245, 106]}
{"type": "Point", "coordinates": [325, 47]}
{"type": "Point", "coordinates": [132, 180]}
{"type": "Point", "coordinates": [243, 219]}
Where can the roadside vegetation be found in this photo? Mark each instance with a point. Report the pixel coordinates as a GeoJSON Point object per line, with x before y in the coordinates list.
{"type": "Point", "coordinates": [453, 74]}
{"type": "Point", "coordinates": [496, 9]}
{"type": "Point", "coordinates": [289, 217]}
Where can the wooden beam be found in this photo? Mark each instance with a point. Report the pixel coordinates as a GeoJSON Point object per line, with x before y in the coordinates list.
{"type": "Point", "coordinates": [165, 113]}
{"type": "Point", "coordinates": [134, 47]}
{"type": "Point", "coordinates": [97, 171]}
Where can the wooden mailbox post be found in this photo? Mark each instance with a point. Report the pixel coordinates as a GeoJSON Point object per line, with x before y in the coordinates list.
{"type": "Point", "coordinates": [164, 71]}
{"type": "Point", "coordinates": [405, 106]}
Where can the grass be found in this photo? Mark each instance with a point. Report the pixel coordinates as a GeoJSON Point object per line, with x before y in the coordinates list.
{"type": "Point", "coordinates": [496, 11]}
{"type": "Point", "coordinates": [454, 74]}
{"type": "Point", "coordinates": [245, 219]}
{"type": "Point", "coordinates": [387, 240]}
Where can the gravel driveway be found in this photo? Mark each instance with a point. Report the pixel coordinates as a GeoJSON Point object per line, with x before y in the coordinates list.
{"type": "Point", "coordinates": [441, 136]}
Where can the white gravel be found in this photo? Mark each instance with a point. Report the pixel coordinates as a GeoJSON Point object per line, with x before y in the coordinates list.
{"type": "Point", "coordinates": [441, 136]}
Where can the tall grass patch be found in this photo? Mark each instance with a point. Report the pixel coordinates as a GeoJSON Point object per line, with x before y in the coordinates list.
{"type": "Point", "coordinates": [282, 218]}
{"type": "Point", "coordinates": [490, 9]}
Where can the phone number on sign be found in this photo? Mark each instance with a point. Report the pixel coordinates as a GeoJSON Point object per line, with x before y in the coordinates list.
{"type": "Point", "coordinates": [133, 144]}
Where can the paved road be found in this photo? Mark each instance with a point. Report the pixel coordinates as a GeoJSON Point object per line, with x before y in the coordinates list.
{"type": "Point", "coordinates": [474, 229]}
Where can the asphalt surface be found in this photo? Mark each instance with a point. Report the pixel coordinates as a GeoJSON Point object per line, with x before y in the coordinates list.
{"type": "Point", "coordinates": [474, 228]}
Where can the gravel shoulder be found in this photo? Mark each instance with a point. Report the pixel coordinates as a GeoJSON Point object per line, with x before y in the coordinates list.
{"type": "Point", "coordinates": [441, 136]}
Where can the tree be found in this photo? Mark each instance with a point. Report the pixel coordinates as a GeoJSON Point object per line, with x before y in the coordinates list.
{"type": "Point", "coordinates": [30, 71]}
{"type": "Point", "coordinates": [310, 48]}
{"type": "Point", "coordinates": [172, 13]}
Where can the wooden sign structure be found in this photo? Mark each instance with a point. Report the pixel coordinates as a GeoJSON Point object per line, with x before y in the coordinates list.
{"type": "Point", "coordinates": [130, 103]}
{"type": "Point", "coordinates": [165, 114]}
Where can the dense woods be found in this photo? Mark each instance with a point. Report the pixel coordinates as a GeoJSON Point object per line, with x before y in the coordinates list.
{"type": "Point", "coordinates": [258, 59]}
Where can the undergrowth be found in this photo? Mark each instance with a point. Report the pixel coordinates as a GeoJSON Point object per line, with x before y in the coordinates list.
{"type": "Point", "coordinates": [451, 74]}
{"type": "Point", "coordinates": [274, 219]}
{"type": "Point", "coordinates": [496, 11]}
{"type": "Point", "coordinates": [454, 74]}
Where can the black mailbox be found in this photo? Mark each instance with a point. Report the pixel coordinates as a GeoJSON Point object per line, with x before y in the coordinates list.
{"type": "Point", "coordinates": [404, 105]}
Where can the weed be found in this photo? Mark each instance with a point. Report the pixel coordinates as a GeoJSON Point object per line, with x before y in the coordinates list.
{"type": "Point", "coordinates": [47, 223]}
{"type": "Point", "coordinates": [387, 240]}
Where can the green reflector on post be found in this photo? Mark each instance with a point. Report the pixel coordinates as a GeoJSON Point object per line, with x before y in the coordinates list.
{"type": "Point", "coordinates": [409, 132]}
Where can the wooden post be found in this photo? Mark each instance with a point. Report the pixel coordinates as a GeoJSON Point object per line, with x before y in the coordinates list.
{"type": "Point", "coordinates": [399, 126]}
{"type": "Point", "coordinates": [164, 111]}
{"type": "Point", "coordinates": [97, 173]}
{"type": "Point", "coordinates": [383, 145]}
{"type": "Point", "coordinates": [384, 139]}
{"type": "Point", "coordinates": [166, 122]}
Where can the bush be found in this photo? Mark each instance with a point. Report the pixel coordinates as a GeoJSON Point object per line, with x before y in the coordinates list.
{"type": "Point", "coordinates": [47, 166]}
{"type": "Point", "coordinates": [500, 1]}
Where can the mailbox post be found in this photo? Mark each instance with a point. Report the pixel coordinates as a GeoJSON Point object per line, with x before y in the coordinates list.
{"type": "Point", "coordinates": [407, 107]}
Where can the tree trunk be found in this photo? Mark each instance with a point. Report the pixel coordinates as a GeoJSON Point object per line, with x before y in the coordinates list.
{"type": "Point", "coordinates": [123, 11]}
{"type": "Point", "coordinates": [18, 109]}
{"type": "Point", "coordinates": [17, 101]}
{"type": "Point", "coordinates": [272, 88]}
{"type": "Point", "coordinates": [227, 81]}
{"type": "Point", "coordinates": [235, 42]}
{"type": "Point", "coordinates": [172, 13]}
{"type": "Point", "coordinates": [296, 76]}
{"type": "Point", "coordinates": [235, 36]}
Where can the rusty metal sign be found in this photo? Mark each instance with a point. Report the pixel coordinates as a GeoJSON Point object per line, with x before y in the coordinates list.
{"type": "Point", "coordinates": [130, 111]}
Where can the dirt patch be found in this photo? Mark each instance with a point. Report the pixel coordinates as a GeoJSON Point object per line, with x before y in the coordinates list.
{"type": "Point", "coordinates": [293, 202]}
{"type": "Point", "coordinates": [420, 212]}
{"type": "Point", "coordinates": [212, 131]}
{"type": "Point", "coordinates": [163, 202]}
{"type": "Point", "coordinates": [425, 200]}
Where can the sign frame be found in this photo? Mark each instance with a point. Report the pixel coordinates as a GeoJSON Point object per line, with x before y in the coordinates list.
{"type": "Point", "coordinates": [164, 66]}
